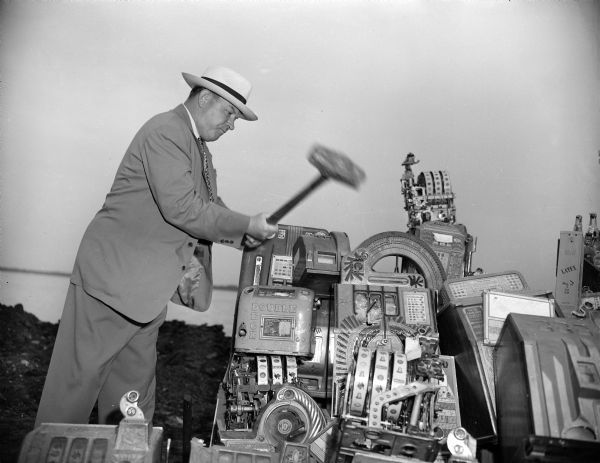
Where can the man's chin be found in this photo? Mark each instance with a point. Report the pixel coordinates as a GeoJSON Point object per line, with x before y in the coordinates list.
{"type": "Point", "coordinates": [218, 134]}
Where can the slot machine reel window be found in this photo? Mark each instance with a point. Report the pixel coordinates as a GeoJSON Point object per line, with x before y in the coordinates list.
{"type": "Point", "coordinates": [361, 305]}
{"type": "Point", "coordinates": [326, 258]}
{"type": "Point", "coordinates": [277, 328]}
{"type": "Point", "coordinates": [391, 305]}
{"type": "Point", "coordinates": [375, 312]}
{"type": "Point", "coordinates": [370, 306]}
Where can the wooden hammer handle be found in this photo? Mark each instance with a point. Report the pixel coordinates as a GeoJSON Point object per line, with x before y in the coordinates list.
{"type": "Point", "coordinates": [293, 202]}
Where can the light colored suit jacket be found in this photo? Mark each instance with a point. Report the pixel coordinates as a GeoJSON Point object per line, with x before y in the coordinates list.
{"type": "Point", "coordinates": [135, 250]}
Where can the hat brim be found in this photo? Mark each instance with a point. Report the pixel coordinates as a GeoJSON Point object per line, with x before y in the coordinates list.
{"type": "Point", "coordinates": [195, 81]}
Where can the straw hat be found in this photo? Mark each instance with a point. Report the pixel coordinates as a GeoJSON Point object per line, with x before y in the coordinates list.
{"type": "Point", "coordinates": [226, 83]}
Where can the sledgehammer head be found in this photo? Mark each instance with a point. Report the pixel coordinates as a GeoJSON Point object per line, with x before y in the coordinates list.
{"type": "Point", "coordinates": [335, 165]}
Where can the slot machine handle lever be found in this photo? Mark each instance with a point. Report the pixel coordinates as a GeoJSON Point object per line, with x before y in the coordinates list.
{"type": "Point", "coordinates": [331, 165]}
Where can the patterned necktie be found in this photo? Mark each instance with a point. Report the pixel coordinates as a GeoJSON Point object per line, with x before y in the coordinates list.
{"type": "Point", "coordinates": [205, 170]}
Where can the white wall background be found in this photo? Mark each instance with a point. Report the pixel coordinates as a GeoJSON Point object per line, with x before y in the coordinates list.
{"type": "Point", "coordinates": [504, 95]}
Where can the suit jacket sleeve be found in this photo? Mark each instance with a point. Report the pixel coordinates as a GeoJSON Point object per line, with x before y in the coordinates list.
{"type": "Point", "coordinates": [168, 164]}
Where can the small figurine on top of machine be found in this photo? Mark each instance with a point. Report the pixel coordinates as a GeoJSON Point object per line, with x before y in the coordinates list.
{"type": "Point", "coordinates": [429, 202]}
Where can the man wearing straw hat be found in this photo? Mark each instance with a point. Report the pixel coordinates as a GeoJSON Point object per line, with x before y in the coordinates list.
{"type": "Point", "coordinates": [148, 244]}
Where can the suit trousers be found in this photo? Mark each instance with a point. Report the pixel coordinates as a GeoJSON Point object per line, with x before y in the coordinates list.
{"type": "Point", "coordinates": [98, 355]}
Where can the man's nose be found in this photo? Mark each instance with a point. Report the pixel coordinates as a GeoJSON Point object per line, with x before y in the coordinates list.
{"type": "Point", "coordinates": [231, 123]}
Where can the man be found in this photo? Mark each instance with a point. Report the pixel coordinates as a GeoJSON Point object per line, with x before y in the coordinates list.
{"type": "Point", "coordinates": [149, 243]}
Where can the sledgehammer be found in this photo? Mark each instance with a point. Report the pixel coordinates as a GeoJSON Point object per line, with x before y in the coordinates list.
{"type": "Point", "coordinates": [331, 165]}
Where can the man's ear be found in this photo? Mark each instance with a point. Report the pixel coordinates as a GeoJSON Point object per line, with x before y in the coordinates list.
{"type": "Point", "coordinates": [204, 97]}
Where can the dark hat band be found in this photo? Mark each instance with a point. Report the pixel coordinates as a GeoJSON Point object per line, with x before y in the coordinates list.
{"type": "Point", "coordinates": [226, 88]}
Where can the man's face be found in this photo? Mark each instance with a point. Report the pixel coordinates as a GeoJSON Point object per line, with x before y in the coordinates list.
{"type": "Point", "coordinates": [216, 116]}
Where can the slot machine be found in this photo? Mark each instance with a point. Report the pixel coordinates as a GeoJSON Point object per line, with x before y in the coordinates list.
{"type": "Point", "coordinates": [393, 393]}
{"type": "Point", "coordinates": [450, 242]}
{"type": "Point", "coordinates": [548, 389]}
{"type": "Point", "coordinates": [461, 334]}
{"type": "Point", "coordinates": [308, 342]}
{"type": "Point", "coordinates": [296, 255]}
{"type": "Point", "coordinates": [261, 404]}
{"type": "Point", "coordinates": [305, 257]}
{"type": "Point", "coordinates": [134, 440]}
{"type": "Point", "coordinates": [277, 381]}
{"type": "Point", "coordinates": [429, 202]}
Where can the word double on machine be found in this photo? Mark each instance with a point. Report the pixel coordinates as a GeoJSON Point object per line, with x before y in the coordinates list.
{"type": "Point", "coordinates": [395, 350]}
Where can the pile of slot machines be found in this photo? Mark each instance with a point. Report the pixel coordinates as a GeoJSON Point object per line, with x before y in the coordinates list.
{"type": "Point", "coordinates": [396, 351]}
{"type": "Point", "coordinates": [333, 358]}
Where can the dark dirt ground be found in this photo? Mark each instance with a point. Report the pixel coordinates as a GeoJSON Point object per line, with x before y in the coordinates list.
{"type": "Point", "coordinates": [191, 360]}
